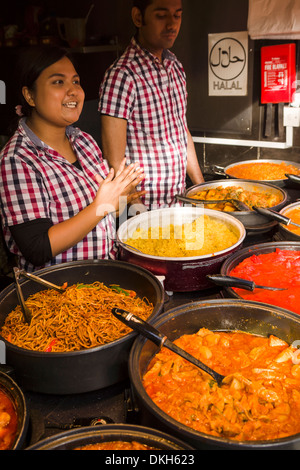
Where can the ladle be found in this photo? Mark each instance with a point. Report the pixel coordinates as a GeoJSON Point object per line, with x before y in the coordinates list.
{"type": "Point", "coordinates": [161, 340]}
{"type": "Point", "coordinates": [231, 281]}
{"type": "Point", "coordinates": [21, 272]}
{"type": "Point", "coordinates": [241, 206]}
{"type": "Point", "coordinates": [282, 219]}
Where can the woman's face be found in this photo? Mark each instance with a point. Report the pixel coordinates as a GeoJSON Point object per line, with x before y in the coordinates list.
{"type": "Point", "coordinates": [57, 97]}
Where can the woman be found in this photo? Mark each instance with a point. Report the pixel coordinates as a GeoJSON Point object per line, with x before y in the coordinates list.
{"type": "Point", "coordinates": [58, 196]}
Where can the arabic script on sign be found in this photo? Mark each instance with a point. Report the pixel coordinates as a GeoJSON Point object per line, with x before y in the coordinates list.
{"type": "Point", "coordinates": [227, 61]}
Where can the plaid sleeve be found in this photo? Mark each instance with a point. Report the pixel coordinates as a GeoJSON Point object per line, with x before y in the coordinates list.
{"type": "Point", "coordinates": [117, 94]}
{"type": "Point", "coordinates": [22, 192]}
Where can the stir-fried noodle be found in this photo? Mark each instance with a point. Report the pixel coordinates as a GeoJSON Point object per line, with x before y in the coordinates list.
{"type": "Point", "coordinates": [79, 318]}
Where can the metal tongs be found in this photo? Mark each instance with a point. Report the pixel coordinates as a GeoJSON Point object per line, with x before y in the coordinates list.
{"type": "Point", "coordinates": [21, 272]}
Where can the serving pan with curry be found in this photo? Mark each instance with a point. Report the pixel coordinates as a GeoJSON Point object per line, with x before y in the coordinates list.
{"type": "Point", "coordinates": [264, 170]}
{"type": "Point", "coordinates": [249, 192]}
{"type": "Point", "coordinates": [253, 342]}
{"type": "Point", "coordinates": [290, 231]}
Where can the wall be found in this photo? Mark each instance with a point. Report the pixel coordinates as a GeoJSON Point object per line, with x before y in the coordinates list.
{"type": "Point", "coordinates": [199, 20]}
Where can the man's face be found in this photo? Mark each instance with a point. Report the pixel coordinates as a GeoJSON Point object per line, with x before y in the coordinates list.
{"type": "Point", "coordinates": [160, 26]}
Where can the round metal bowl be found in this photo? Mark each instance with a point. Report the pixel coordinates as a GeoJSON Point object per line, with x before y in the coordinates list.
{"type": "Point", "coordinates": [80, 437]}
{"type": "Point", "coordinates": [224, 171]}
{"type": "Point", "coordinates": [283, 229]}
{"type": "Point", "coordinates": [88, 369]}
{"type": "Point", "coordinates": [215, 315]}
{"type": "Point", "coordinates": [250, 219]}
{"type": "Point", "coordinates": [181, 274]}
{"type": "Point", "coordinates": [259, 249]}
{"type": "Point", "coordinates": [15, 394]}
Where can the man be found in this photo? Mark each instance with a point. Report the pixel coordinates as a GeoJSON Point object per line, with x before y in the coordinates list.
{"type": "Point", "coordinates": [143, 106]}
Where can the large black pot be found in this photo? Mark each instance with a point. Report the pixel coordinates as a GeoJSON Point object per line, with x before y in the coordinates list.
{"type": "Point", "coordinates": [13, 391]}
{"type": "Point", "coordinates": [89, 369]}
{"type": "Point", "coordinates": [111, 432]}
{"type": "Point", "coordinates": [216, 315]}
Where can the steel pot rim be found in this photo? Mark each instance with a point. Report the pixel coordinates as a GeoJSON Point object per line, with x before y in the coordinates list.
{"type": "Point", "coordinates": [15, 394]}
{"type": "Point", "coordinates": [185, 431]}
{"type": "Point", "coordinates": [265, 160]}
{"type": "Point", "coordinates": [221, 216]}
{"type": "Point", "coordinates": [111, 432]}
{"type": "Point", "coordinates": [282, 227]}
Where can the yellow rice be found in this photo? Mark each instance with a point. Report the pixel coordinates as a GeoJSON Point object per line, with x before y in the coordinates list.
{"type": "Point", "coordinates": [205, 235]}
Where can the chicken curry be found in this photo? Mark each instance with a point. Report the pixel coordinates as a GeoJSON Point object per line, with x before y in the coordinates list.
{"type": "Point", "coordinates": [258, 400]}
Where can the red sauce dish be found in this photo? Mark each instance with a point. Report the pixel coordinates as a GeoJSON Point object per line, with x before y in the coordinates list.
{"type": "Point", "coordinates": [280, 268]}
{"type": "Point", "coordinates": [8, 422]}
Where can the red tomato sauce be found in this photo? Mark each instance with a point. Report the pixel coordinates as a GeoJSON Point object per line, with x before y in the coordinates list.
{"type": "Point", "coordinates": [278, 269]}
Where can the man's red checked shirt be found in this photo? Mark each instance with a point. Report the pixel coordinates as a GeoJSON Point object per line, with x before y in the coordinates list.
{"type": "Point", "coordinates": [152, 98]}
{"type": "Point", "coordinates": [36, 182]}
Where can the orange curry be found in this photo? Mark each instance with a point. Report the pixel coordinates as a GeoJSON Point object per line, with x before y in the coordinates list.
{"type": "Point", "coordinates": [294, 215]}
{"type": "Point", "coordinates": [258, 400]}
{"type": "Point", "coordinates": [263, 171]}
{"type": "Point", "coordinates": [251, 198]}
{"type": "Point", "coordinates": [116, 445]}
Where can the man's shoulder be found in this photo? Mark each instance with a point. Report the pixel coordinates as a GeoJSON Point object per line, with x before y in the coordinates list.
{"type": "Point", "coordinates": [127, 62]}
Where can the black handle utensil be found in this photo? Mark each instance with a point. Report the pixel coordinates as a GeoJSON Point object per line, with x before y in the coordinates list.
{"type": "Point", "coordinates": [161, 340]}
{"type": "Point", "coordinates": [231, 281]}
{"type": "Point", "coordinates": [282, 219]}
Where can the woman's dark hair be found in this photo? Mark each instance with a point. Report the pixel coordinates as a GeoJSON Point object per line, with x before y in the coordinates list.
{"type": "Point", "coordinates": [30, 65]}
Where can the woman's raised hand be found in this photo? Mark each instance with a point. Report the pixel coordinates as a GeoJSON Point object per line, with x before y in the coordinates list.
{"type": "Point", "coordinates": [117, 186]}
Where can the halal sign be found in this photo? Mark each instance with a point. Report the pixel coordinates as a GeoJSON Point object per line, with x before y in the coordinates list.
{"type": "Point", "coordinates": [228, 64]}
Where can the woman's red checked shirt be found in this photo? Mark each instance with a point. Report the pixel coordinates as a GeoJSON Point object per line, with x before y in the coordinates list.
{"type": "Point", "coordinates": [36, 182]}
{"type": "Point", "coordinates": [151, 97]}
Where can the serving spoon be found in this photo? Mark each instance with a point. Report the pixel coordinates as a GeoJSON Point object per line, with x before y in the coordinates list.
{"type": "Point", "coordinates": [282, 219]}
{"type": "Point", "coordinates": [293, 178]}
{"type": "Point", "coordinates": [241, 206]}
{"type": "Point", "coordinates": [161, 340]}
{"type": "Point", "coordinates": [231, 281]}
